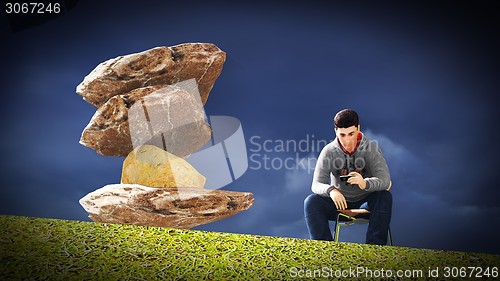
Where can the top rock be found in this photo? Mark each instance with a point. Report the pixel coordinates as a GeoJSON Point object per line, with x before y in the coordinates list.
{"type": "Point", "coordinates": [157, 66]}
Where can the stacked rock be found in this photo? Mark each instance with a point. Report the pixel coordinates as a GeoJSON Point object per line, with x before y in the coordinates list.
{"type": "Point", "coordinates": [150, 109]}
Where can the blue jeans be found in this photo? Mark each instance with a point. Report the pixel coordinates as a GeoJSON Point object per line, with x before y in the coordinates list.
{"type": "Point", "coordinates": [319, 210]}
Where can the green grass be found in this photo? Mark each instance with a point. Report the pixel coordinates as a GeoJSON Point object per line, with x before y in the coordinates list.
{"type": "Point", "coordinates": [36, 248]}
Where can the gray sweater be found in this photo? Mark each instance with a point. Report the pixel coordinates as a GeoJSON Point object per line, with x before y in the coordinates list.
{"type": "Point", "coordinates": [366, 160]}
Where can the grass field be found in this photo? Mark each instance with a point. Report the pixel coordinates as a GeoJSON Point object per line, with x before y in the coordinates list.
{"type": "Point", "coordinates": [50, 249]}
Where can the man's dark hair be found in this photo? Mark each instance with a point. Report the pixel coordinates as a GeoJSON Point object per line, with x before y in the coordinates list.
{"type": "Point", "coordinates": [346, 118]}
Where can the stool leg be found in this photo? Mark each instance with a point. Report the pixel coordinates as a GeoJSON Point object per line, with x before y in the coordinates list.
{"type": "Point", "coordinates": [337, 229]}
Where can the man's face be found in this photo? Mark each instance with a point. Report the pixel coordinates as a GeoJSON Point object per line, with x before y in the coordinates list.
{"type": "Point", "coordinates": [348, 137]}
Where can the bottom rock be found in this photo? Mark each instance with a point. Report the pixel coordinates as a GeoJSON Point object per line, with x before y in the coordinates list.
{"type": "Point", "coordinates": [183, 207]}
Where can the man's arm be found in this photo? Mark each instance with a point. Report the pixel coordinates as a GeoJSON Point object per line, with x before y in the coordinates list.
{"type": "Point", "coordinates": [321, 179]}
{"type": "Point", "coordinates": [381, 177]}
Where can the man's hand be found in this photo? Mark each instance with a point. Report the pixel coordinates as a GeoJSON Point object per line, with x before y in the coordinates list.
{"type": "Point", "coordinates": [357, 178]}
{"type": "Point", "coordinates": [338, 199]}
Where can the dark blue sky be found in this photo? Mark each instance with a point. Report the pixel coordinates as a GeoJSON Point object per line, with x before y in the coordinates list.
{"type": "Point", "coordinates": [422, 75]}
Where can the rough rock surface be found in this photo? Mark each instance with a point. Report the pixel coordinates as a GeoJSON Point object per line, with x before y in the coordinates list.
{"type": "Point", "coordinates": [184, 207]}
{"type": "Point", "coordinates": [152, 166]}
{"type": "Point", "coordinates": [158, 66]}
{"type": "Point", "coordinates": [169, 117]}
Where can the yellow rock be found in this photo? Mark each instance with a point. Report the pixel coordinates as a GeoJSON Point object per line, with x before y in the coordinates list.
{"type": "Point", "coordinates": [152, 166]}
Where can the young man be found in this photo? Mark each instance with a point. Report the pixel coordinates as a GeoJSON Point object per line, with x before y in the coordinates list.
{"type": "Point", "coordinates": [351, 153]}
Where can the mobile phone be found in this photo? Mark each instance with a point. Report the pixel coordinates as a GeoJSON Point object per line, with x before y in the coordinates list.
{"type": "Point", "coordinates": [344, 178]}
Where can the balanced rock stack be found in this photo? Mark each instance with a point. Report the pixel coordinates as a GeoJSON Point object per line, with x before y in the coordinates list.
{"type": "Point", "coordinates": [150, 109]}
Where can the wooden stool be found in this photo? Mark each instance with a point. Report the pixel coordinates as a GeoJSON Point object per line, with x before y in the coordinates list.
{"type": "Point", "coordinates": [355, 216]}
